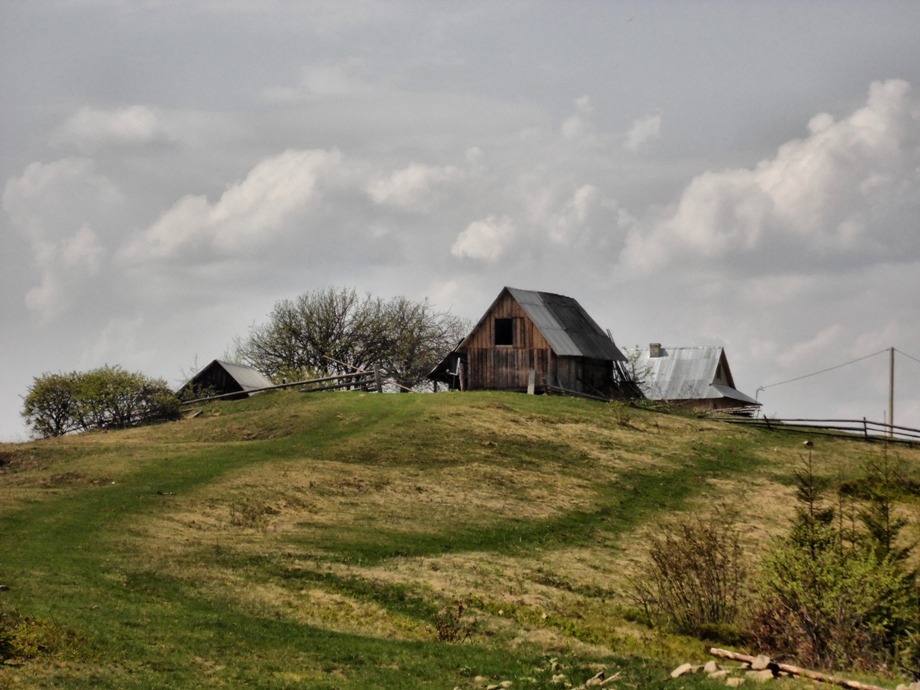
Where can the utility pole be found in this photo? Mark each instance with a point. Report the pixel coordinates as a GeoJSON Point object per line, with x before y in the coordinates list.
{"type": "Point", "coordinates": [891, 393]}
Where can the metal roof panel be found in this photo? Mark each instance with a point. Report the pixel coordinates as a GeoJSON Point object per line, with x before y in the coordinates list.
{"type": "Point", "coordinates": [567, 327]}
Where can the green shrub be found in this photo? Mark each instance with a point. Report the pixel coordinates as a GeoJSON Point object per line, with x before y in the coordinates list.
{"type": "Point", "coordinates": [23, 637]}
{"type": "Point", "coordinates": [103, 398]}
{"type": "Point", "coordinates": [841, 608]}
{"type": "Point", "coordinates": [693, 581]}
{"type": "Point", "coordinates": [833, 596]}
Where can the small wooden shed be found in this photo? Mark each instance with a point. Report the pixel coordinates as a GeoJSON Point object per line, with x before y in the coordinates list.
{"type": "Point", "coordinates": [537, 341]}
{"type": "Point", "coordinates": [220, 378]}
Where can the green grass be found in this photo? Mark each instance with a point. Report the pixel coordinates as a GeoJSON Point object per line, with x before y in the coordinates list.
{"type": "Point", "coordinates": [294, 541]}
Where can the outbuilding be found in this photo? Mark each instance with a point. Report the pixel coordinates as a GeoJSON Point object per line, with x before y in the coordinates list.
{"type": "Point", "coordinates": [537, 342]}
{"type": "Point", "coordinates": [224, 378]}
{"type": "Point", "coordinates": [694, 377]}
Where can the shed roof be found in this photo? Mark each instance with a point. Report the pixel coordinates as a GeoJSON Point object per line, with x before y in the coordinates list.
{"type": "Point", "coordinates": [248, 378]}
{"type": "Point", "coordinates": [566, 326]}
{"type": "Point", "coordinates": [685, 373]}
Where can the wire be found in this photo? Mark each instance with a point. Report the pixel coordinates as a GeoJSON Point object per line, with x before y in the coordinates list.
{"type": "Point", "coordinates": [823, 371]}
{"type": "Point", "coordinates": [907, 355]}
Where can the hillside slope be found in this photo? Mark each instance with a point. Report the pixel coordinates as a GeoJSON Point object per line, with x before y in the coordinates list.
{"type": "Point", "coordinates": [322, 540]}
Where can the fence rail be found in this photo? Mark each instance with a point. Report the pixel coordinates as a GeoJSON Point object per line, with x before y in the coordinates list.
{"type": "Point", "coordinates": [849, 428]}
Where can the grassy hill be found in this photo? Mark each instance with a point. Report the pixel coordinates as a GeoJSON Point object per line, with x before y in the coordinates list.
{"type": "Point", "coordinates": [322, 540]}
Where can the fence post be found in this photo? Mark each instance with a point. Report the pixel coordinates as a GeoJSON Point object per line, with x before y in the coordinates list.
{"type": "Point", "coordinates": [377, 380]}
{"type": "Point", "coordinates": [865, 428]}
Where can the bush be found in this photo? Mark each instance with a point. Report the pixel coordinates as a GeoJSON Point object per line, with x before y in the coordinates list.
{"type": "Point", "coordinates": [693, 582]}
{"type": "Point", "coordinates": [24, 637]}
{"type": "Point", "coordinates": [104, 398]}
{"type": "Point", "coordinates": [833, 596]}
{"type": "Point", "coordinates": [451, 625]}
{"type": "Point", "coordinates": [842, 608]}
{"type": "Point", "coordinates": [6, 636]}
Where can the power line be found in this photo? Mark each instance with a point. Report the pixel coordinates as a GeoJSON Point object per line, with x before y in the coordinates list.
{"type": "Point", "coordinates": [824, 371]}
{"type": "Point", "coordinates": [907, 355]}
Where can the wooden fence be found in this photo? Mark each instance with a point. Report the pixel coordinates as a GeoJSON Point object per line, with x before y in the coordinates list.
{"type": "Point", "coordinates": [358, 379]}
{"type": "Point", "coordinates": [849, 428]}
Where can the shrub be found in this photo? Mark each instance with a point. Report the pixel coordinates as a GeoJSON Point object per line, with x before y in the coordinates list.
{"type": "Point", "coordinates": [51, 403]}
{"type": "Point", "coordinates": [833, 596]}
{"type": "Point", "coordinates": [6, 636]}
{"type": "Point", "coordinates": [451, 625]}
{"type": "Point", "coordinates": [842, 608]}
{"type": "Point", "coordinates": [104, 398]}
{"type": "Point", "coordinates": [693, 581]}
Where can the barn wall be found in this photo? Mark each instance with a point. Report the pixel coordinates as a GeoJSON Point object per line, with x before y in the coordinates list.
{"type": "Point", "coordinates": [506, 367]}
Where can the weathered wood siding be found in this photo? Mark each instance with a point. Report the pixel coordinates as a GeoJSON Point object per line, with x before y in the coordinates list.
{"type": "Point", "coordinates": [505, 367]}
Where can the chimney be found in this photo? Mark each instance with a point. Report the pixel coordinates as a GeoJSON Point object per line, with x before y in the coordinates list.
{"type": "Point", "coordinates": [654, 350]}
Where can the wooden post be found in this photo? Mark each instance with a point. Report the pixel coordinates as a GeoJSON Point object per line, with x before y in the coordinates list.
{"type": "Point", "coordinates": [460, 373]}
{"type": "Point", "coordinates": [531, 382]}
{"type": "Point", "coordinates": [377, 380]}
{"type": "Point", "coordinates": [891, 394]}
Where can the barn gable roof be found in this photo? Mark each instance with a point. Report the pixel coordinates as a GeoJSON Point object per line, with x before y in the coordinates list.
{"type": "Point", "coordinates": [686, 373]}
{"type": "Point", "coordinates": [248, 378]}
{"type": "Point", "coordinates": [566, 326]}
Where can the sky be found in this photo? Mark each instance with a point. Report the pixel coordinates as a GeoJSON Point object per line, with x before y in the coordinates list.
{"type": "Point", "coordinates": [744, 174]}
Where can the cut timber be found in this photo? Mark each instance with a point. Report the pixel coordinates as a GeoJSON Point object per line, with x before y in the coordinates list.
{"type": "Point", "coordinates": [796, 671]}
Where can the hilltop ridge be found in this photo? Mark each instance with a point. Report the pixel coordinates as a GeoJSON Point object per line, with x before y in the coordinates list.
{"type": "Point", "coordinates": [328, 540]}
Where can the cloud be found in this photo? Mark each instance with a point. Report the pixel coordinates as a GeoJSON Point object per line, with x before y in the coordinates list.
{"type": "Point", "coordinates": [135, 125]}
{"type": "Point", "coordinates": [847, 193]}
{"type": "Point", "coordinates": [815, 349]}
{"type": "Point", "coordinates": [60, 208]}
{"type": "Point", "coordinates": [579, 126]}
{"type": "Point", "coordinates": [49, 200]}
{"type": "Point", "coordinates": [486, 239]}
{"type": "Point", "coordinates": [324, 82]}
{"type": "Point", "coordinates": [65, 269]}
{"type": "Point", "coordinates": [588, 219]}
{"type": "Point", "coordinates": [413, 188]}
{"type": "Point", "coordinates": [643, 130]}
{"type": "Point", "coordinates": [252, 211]}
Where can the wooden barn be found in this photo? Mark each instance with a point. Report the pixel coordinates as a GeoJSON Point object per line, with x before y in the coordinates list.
{"type": "Point", "coordinates": [537, 342]}
{"type": "Point", "coordinates": [219, 378]}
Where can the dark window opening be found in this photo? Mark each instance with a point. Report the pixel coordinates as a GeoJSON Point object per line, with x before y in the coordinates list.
{"type": "Point", "coordinates": [504, 331]}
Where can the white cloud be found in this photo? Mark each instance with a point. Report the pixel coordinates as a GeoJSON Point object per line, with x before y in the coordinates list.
{"type": "Point", "coordinates": [59, 208]}
{"type": "Point", "coordinates": [848, 192]}
{"type": "Point", "coordinates": [486, 239]}
{"type": "Point", "coordinates": [135, 125]}
{"type": "Point", "coordinates": [324, 82]}
{"type": "Point", "coordinates": [252, 211]}
{"type": "Point", "coordinates": [643, 130]}
{"type": "Point", "coordinates": [65, 268]}
{"type": "Point", "coordinates": [413, 188]}
{"type": "Point", "coordinates": [579, 126]}
{"type": "Point", "coordinates": [586, 217]}
{"type": "Point", "coordinates": [49, 200]}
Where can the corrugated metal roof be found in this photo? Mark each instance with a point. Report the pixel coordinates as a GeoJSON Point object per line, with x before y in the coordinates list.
{"type": "Point", "coordinates": [248, 378]}
{"type": "Point", "coordinates": [684, 373]}
{"type": "Point", "coordinates": [567, 327]}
